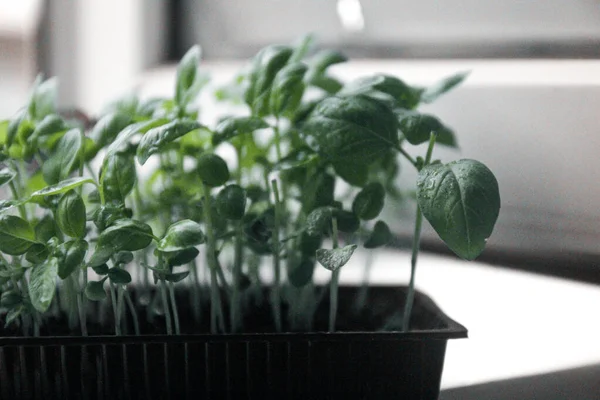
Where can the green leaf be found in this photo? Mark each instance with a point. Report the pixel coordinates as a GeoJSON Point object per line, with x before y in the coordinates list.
{"type": "Point", "coordinates": [42, 284]}
{"type": "Point", "coordinates": [182, 257]}
{"type": "Point", "coordinates": [287, 89]}
{"type": "Point", "coordinates": [45, 229]}
{"type": "Point", "coordinates": [231, 202]}
{"type": "Point", "coordinates": [187, 73]}
{"type": "Point", "coordinates": [347, 221]}
{"type": "Point", "coordinates": [176, 276]}
{"type": "Point", "coordinates": [355, 174]}
{"type": "Point", "coordinates": [126, 234]}
{"type": "Point", "coordinates": [334, 259]}
{"type": "Point", "coordinates": [37, 253]}
{"type": "Point", "coordinates": [106, 130]}
{"type": "Point", "coordinates": [181, 235]}
{"type": "Point", "coordinates": [10, 299]}
{"type": "Point", "coordinates": [16, 235]}
{"type": "Point", "coordinates": [461, 201]}
{"type": "Point", "coordinates": [101, 269]}
{"type": "Point", "coordinates": [70, 214]}
{"type": "Point", "coordinates": [49, 125]}
{"type": "Point", "coordinates": [123, 257]}
{"type": "Point", "coordinates": [6, 175]}
{"type": "Point", "coordinates": [354, 129]}
{"type": "Point", "coordinates": [380, 236]}
{"type": "Point", "coordinates": [13, 315]}
{"type": "Point", "coordinates": [95, 291]}
{"type": "Point", "coordinates": [43, 100]}
{"type": "Point", "coordinates": [234, 126]}
{"type": "Point", "coordinates": [156, 138]}
{"type": "Point", "coordinates": [300, 273]}
{"type": "Point", "coordinates": [13, 126]}
{"type": "Point", "coordinates": [402, 94]}
{"type": "Point", "coordinates": [118, 177]}
{"type": "Point", "coordinates": [60, 164]}
{"type": "Point", "coordinates": [212, 169]}
{"type": "Point", "coordinates": [319, 63]}
{"type": "Point", "coordinates": [318, 221]}
{"type": "Point", "coordinates": [60, 187]}
{"type": "Point", "coordinates": [417, 128]}
{"type": "Point", "coordinates": [3, 133]}
{"type": "Point", "coordinates": [265, 66]}
{"type": "Point", "coordinates": [368, 203]}
{"type": "Point", "coordinates": [122, 141]}
{"type": "Point", "coordinates": [74, 252]}
{"type": "Point", "coordinates": [119, 276]}
{"type": "Point", "coordinates": [432, 93]}
{"type": "Point", "coordinates": [303, 46]}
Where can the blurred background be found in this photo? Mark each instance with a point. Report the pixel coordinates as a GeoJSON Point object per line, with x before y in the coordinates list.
{"type": "Point", "coordinates": [529, 110]}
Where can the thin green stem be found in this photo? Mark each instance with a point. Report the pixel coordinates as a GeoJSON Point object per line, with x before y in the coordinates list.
{"type": "Point", "coordinates": [16, 196]}
{"type": "Point", "coordinates": [276, 259]}
{"type": "Point", "coordinates": [174, 306]}
{"type": "Point", "coordinates": [113, 299]}
{"type": "Point", "coordinates": [165, 302]}
{"type": "Point", "coordinates": [80, 307]}
{"type": "Point", "coordinates": [410, 296]}
{"type": "Point", "coordinates": [216, 316]}
{"type": "Point", "coordinates": [238, 254]}
{"type": "Point", "coordinates": [413, 267]}
{"type": "Point", "coordinates": [406, 155]}
{"type": "Point", "coordinates": [335, 279]}
{"type": "Point", "coordinates": [131, 306]}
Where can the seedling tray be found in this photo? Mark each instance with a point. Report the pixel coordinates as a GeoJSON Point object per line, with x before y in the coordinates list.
{"type": "Point", "coordinates": [319, 365]}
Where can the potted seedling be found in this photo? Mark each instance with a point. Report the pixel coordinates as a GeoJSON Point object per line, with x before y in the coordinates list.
{"type": "Point", "coordinates": [148, 255]}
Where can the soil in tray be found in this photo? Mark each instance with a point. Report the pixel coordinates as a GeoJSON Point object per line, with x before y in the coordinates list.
{"type": "Point", "coordinates": [383, 311]}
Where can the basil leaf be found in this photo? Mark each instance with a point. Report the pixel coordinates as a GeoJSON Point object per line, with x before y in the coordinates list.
{"type": "Point", "coordinates": [176, 276]}
{"type": "Point", "coordinates": [212, 169]}
{"type": "Point", "coordinates": [74, 252]}
{"type": "Point", "coordinates": [60, 187]}
{"type": "Point", "coordinates": [380, 236]}
{"type": "Point", "coordinates": [287, 89]}
{"type": "Point", "coordinates": [432, 93]}
{"type": "Point", "coordinates": [187, 72]}
{"type": "Point", "coordinates": [43, 99]}
{"type": "Point", "coordinates": [13, 126]}
{"type": "Point", "coordinates": [37, 253]}
{"type": "Point", "coordinates": [353, 129]}
{"type": "Point", "coordinates": [155, 139]}
{"type": "Point", "coordinates": [49, 125]}
{"type": "Point", "coordinates": [119, 276]}
{"type": "Point", "coordinates": [42, 284]}
{"type": "Point", "coordinates": [60, 164]}
{"type": "Point", "coordinates": [319, 63]}
{"type": "Point", "coordinates": [417, 129]}
{"type": "Point", "coordinates": [106, 130]}
{"type": "Point", "coordinates": [182, 257]}
{"type": "Point", "coordinates": [347, 221]}
{"type": "Point", "coordinates": [6, 175]}
{"type": "Point", "coordinates": [265, 66]}
{"type": "Point", "coordinates": [461, 201]}
{"type": "Point", "coordinates": [234, 126]}
{"type": "Point", "coordinates": [95, 291]}
{"type": "Point", "coordinates": [334, 259]}
{"type": "Point", "coordinates": [122, 141]}
{"type": "Point", "coordinates": [16, 235]}
{"type": "Point", "coordinates": [355, 174]}
{"type": "Point", "coordinates": [45, 229]}
{"type": "Point", "coordinates": [368, 203]}
{"type": "Point", "coordinates": [126, 234]}
{"type": "Point", "coordinates": [70, 214]}
{"type": "Point", "coordinates": [318, 221]}
{"type": "Point", "coordinates": [181, 235]}
{"type": "Point", "coordinates": [118, 177]}
{"type": "Point", "coordinates": [231, 202]}
{"type": "Point", "coordinates": [300, 273]}
{"type": "Point", "coordinates": [402, 94]}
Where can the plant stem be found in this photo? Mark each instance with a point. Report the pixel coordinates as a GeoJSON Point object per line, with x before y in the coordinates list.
{"type": "Point", "coordinates": [131, 306]}
{"type": "Point", "coordinates": [410, 296]}
{"type": "Point", "coordinates": [80, 307]}
{"type": "Point", "coordinates": [413, 266]}
{"type": "Point", "coordinates": [163, 294]}
{"type": "Point", "coordinates": [113, 299]}
{"type": "Point", "coordinates": [16, 196]}
{"type": "Point", "coordinates": [406, 155]}
{"type": "Point", "coordinates": [216, 311]}
{"type": "Point", "coordinates": [238, 254]}
{"type": "Point", "coordinates": [174, 305]}
{"type": "Point", "coordinates": [335, 278]}
{"type": "Point", "coordinates": [276, 259]}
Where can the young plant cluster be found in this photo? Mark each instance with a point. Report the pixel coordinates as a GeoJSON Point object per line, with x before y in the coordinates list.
{"type": "Point", "coordinates": [123, 211]}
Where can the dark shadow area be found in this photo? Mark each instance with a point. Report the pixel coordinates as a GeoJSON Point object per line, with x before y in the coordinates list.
{"type": "Point", "coordinates": [573, 384]}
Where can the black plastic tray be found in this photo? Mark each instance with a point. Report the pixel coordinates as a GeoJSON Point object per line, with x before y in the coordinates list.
{"type": "Point", "coordinates": [344, 365]}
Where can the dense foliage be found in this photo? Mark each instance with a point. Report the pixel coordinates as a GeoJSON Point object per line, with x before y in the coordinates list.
{"type": "Point", "coordinates": [143, 193]}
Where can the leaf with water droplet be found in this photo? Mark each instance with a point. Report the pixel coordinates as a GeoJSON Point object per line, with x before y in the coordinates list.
{"type": "Point", "coordinates": [334, 259]}
{"type": "Point", "coordinates": [461, 201]}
